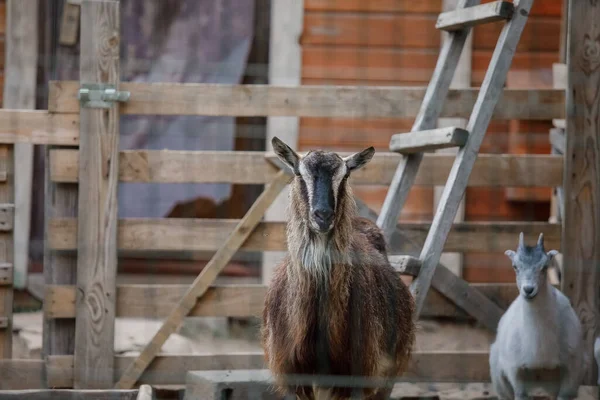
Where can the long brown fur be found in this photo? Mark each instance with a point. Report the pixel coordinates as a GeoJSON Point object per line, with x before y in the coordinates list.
{"type": "Point", "coordinates": [354, 321]}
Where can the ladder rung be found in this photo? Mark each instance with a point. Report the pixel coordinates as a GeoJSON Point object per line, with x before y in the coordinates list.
{"type": "Point", "coordinates": [470, 16]}
{"type": "Point", "coordinates": [6, 274]}
{"type": "Point", "coordinates": [406, 265]}
{"type": "Point", "coordinates": [419, 141]}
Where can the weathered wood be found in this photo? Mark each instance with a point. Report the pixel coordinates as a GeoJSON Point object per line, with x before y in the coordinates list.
{"type": "Point", "coordinates": [145, 393]}
{"type": "Point", "coordinates": [38, 127]}
{"type": "Point", "coordinates": [69, 24]}
{"type": "Point", "coordinates": [70, 394]}
{"type": "Point", "coordinates": [20, 81]}
{"type": "Point", "coordinates": [7, 216]}
{"type": "Point", "coordinates": [250, 167]}
{"type": "Point", "coordinates": [441, 138]}
{"type": "Point", "coordinates": [581, 229]}
{"type": "Point", "coordinates": [181, 234]}
{"type": "Point", "coordinates": [429, 112]}
{"type": "Point", "coordinates": [6, 252]}
{"type": "Point", "coordinates": [157, 301]}
{"type": "Point", "coordinates": [4, 321]}
{"type": "Point", "coordinates": [558, 140]}
{"type": "Point", "coordinates": [22, 374]}
{"type": "Point", "coordinates": [475, 15]}
{"type": "Point", "coordinates": [171, 370]}
{"type": "Point", "coordinates": [308, 101]}
{"type": "Point", "coordinates": [6, 274]}
{"type": "Point", "coordinates": [204, 279]}
{"type": "Point", "coordinates": [461, 169]}
{"type": "Point", "coordinates": [97, 222]}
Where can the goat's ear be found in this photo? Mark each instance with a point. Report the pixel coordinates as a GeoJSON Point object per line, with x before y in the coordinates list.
{"type": "Point", "coordinates": [551, 254]}
{"type": "Point", "coordinates": [358, 160]}
{"type": "Point", "coordinates": [286, 154]}
{"type": "Point", "coordinates": [511, 254]}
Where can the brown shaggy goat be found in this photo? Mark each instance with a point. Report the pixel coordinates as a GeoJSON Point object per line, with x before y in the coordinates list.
{"type": "Point", "coordinates": [335, 306]}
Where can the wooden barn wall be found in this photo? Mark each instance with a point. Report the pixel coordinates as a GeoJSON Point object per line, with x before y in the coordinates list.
{"type": "Point", "coordinates": [2, 46]}
{"type": "Point", "coordinates": [394, 42]}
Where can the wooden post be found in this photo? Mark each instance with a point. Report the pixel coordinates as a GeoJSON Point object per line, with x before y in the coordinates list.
{"type": "Point", "coordinates": [581, 226]}
{"type": "Point", "coordinates": [285, 64]}
{"type": "Point", "coordinates": [19, 93]}
{"type": "Point", "coordinates": [98, 180]}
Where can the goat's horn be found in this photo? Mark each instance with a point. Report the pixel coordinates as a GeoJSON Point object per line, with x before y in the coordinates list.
{"type": "Point", "coordinates": [541, 240]}
{"type": "Point", "coordinates": [521, 240]}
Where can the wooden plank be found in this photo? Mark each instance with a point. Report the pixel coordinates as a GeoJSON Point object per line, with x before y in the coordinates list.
{"type": "Point", "coordinates": [69, 24]}
{"type": "Point", "coordinates": [422, 6]}
{"type": "Point", "coordinates": [433, 139]}
{"type": "Point", "coordinates": [6, 253]}
{"type": "Point", "coordinates": [22, 374]}
{"type": "Point", "coordinates": [429, 112]}
{"type": "Point", "coordinates": [156, 301]}
{"type": "Point", "coordinates": [97, 222]}
{"type": "Point", "coordinates": [239, 235]}
{"type": "Point", "coordinates": [6, 274]}
{"type": "Point", "coordinates": [38, 127]}
{"type": "Point", "coordinates": [70, 394]}
{"type": "Point", "coordinates": [463, 165]}
{"type": "Point", "coordinates": [180, 234]}
{"type": "Point", "coordinates": [7, 216]}
{"type": "Point", "coordinates": [285, 68]}
{"type": "Point", "coordinates": [581, 230]}
{"type": "Point", "coordinates": [558, 140]}
{"type": "Point", "coordinates": [475, 15]}
{"type": "Point", "coordinates": [171, 370]}
{"type": "Point", "coordinates": [19, 93]}
{"type": "Point", "coordinates": [307, 101]}
{"type": "Point", "coordinates": [240, 167]}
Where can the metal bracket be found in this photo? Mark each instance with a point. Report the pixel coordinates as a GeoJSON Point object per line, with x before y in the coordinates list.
{"type": "Point", "coordinates": [100, 95]}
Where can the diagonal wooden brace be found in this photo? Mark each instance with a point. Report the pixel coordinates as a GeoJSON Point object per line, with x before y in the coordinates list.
{"type": "Point", "coordinates": [204, 279]}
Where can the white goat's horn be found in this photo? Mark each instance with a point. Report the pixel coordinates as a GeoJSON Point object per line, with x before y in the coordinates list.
{"type": "Point", "coordinates": [541, 240]}
{"type": "Point", "coordinates": [521, 240]}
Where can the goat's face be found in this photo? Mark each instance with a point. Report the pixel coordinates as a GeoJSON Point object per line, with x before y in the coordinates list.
{"type": "Point", "coordinates": [322, 178]}
{"type": "Point", "coordinates": [530, 264]}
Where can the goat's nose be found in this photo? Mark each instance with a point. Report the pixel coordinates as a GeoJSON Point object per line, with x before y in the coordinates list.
{"type": "Point", "coordinates": [323, 214]}
{"type": "Point", "coordinates": [528, 289]}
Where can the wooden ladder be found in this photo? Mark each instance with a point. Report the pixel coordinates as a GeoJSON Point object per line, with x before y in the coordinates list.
{"type": "Point", "coordinates": [425, 137]}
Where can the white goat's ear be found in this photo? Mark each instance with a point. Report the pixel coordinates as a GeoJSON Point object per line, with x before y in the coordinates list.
{"type": "Point", "coordinates": [551, 254]}
{"type": "Point", "coordinates": [511, 254]}
{"type": "Point", "coordinates": [358, 160]}
{"type": "Point", "coordinates": [286, 154]}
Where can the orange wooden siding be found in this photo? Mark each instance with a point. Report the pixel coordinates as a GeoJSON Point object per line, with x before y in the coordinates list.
{"type": "Point", "coordinates": [394, 42]}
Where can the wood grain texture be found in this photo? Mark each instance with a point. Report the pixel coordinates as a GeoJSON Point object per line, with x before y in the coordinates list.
{"type": "Point", "coordinates": [6, 252]}
{"type": "Point", "coordinates": [465, 160]}
{"type": "Point", "coordinates": [400, 6]}
{"type": "Point", "coordinates": [6, 274]}
{"type": "Point", "coordinates": [157, 301]}
{"type": "Point", "coordinates": [307, 101]}
{"type": "Point", "coordinates": [171, 370]}
{"type": "Point", "coordinates": [97, 222]}
{"type": "Point", "coordinates": [416, 142]}
{"type": "Point", "coordinates": [179, 234]}
{"type": "Point", "coordinates": [69, 394]}
{"type": "Point", "coordinates": [20, 73]}
{"type": "Point", "coordinates": [22, 374]}
{"type": "Point", "coordinates": [233, 242]}
{"type": "Point", "coordinates": [581, 229]}
{"type": "Point", "coordinates": [429, 112]}
{"type": "Point", "coordinates": [476, 15]}
{"type": "Point", "coordinates": [38, 127]}
{"type": "Point", "coordinates": [241, 167]}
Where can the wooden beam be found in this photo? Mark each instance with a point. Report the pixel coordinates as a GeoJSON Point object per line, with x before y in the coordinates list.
{"type": "Point", "coordinates": [22, 374]}
{"type": "Point", "coordinates": [156, 301]}
{"type": "Point", "coordinates": [6, 274]}
{"type": "Point", "coordinates": [475, 15]}
{"type": "Point", "coordinates": [97, 222]}
{"type": "Point", "coordinates": [70, 394]}
{"type": "Point", "coordinates": [204, 280]}
{"type": "Point", "coordinates": [181, 234]}
{"type": "Point", "coordinates": [581, 229]}
{"type": "Point", "coordinates": [433, 139]}
{"type": "Point", "coordinates": [171, 370]}
{"type": "Point", "coordinates": [307, 101]}
{"type": "Point", "coordinates": [250, 167]}
{"type": "Point", "coordinates": [6, 253]}
{"type": "Point", "coordinates": [38, 127]}
{"type": "Point", "coordinates": [20, 82]}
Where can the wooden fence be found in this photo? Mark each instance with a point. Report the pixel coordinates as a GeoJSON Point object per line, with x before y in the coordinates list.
{"type": "Point", "coordinates": [83, 235]}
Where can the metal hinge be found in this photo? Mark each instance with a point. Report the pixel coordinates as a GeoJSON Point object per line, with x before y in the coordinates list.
{"type": "Point", "coordinates": [100, 95]}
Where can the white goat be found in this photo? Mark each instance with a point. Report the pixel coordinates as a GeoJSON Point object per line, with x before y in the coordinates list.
{"type": "Point", "coordinates": [539, 344]}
